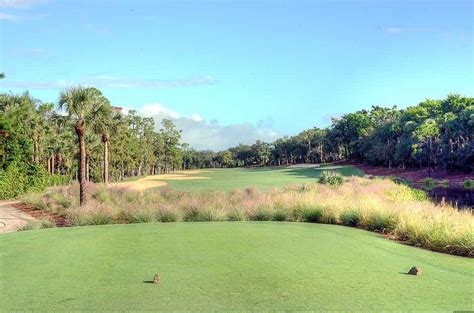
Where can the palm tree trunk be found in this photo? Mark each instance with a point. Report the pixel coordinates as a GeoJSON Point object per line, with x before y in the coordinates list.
{"type": "Point", "coordinates": [309, 150]}
{"type": "Point", "coordinates": [82, 164]}
{"type": "Point", "coordinates": [59, 161]}
{"type": "Point", "coordinates": [105, 174]}
{"type": "Point", "coordinates": [322, 155]}
{"type": "Point", "coordinates": [87, 170]}
{"type": "Point", "coordinates": [35, 149]}
{"type": "Point", "coordinates": [52, 165]}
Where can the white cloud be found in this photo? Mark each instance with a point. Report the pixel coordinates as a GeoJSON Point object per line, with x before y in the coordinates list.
{"type": "Point", "coordinates": [197, 117]}
{"type": "Point", "coordinates": [107, 81]}
{"type": "Point", "coordinates": [157, 109]}
{"type": "Point", "coordinates": [19, 4]}
{"type": "Point", "coordinates": [10, 17]}
{"type": "Point", "coordinates": [20, 18]}
{"type": "Point", "coordinates": [28, 53]}
{"type": "Point", "coordinates": [96, 28]}
{"type": "Point", "coordinates": [203, 135]}
{"type": "Point", "coordinates": [394, 30]}
{"type": "Point", "coordinates": [397, 30]}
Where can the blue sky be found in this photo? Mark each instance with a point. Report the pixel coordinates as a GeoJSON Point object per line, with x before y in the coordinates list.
{"type": "Point", "coordinates": [235, 71]}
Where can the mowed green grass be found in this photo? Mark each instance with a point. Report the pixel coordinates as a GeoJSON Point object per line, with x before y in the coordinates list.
{"type": "Point", "coordinates": [225, 266]}
{"type": "Point", "coordinates": [261, 178]}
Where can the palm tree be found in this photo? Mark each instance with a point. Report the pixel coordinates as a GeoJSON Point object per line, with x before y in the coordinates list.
{"type": "Point", "coordinates": [59, 139]}
{"type": "Point", "coordinates": [83, 105]}
{"type": "Point", "coordinates": [103, 124]}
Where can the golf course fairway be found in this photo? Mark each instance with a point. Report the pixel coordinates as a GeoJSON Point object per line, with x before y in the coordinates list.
{"type": "Point", "coordinates": [225, 266]}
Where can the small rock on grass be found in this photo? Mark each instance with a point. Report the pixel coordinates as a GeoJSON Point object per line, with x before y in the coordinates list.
{"type": "Point", "coordinates": [415, 271]}
{"type": "Point", "coordinates": [156, 279]}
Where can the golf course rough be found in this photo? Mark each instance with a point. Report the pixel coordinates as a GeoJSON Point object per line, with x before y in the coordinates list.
{"type": "Point", "coordinates": [226, 266]}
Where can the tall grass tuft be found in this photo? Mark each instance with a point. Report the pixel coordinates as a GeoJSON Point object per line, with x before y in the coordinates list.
{"type": "Point", "coordinates": [310, 214]}
{"type": "Point", "coordinates": [331, 178]}
{"type": "Point", "coordinates": [351, 217]}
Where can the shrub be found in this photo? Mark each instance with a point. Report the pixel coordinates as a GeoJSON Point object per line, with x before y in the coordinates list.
{"type": "Point", "coordinates": [38, 178]}
{"type": "Point", "coordinates": [400, 181]}
{"type": "Point", "coordinates": [429, 183]}
{"type": "Point", "coordinates": [35, 200]}
{"type": "Point", "coordinates": [280, 215]}
{"type": "Point", "coordinates": [83, 216]}
{"type": "Point", "coordinates": [382, 221]}
{"type": "Point", "coordinates": [45, 223]}
{"type": "Point", "coordinates": [141, 216]}
{"type": "Point", "coordinates": [99, 218]}
{"type": "Point", "coordinates": [328, 216]}
{"type": "Point", "coordinates": [194, 214]}
{"type": "Point", "coordinates": [469, 184]}
{"type": "Point", "coordinates": [16, 180]}
{"type": "Point", "coordinates": [260, 214]}
{"type": "Point", "coordinates": [167, 216]}
{"type": "Point", "coordinates": [13, 182]}
{"type": "Point", "coordinates": [310, 215]}
{"type": "Point", "coordinates": [236, 215]}
{"type": "Point", "coordinates": [331, 178]}
{"type": "Point", "coordinates": [62, 199]}
{"type": "Point", "coordinates": [350, 218]}
{"type": "Point", "coordinates": [59, 180]}
{"type": "Point", "coordinates": [28, 226]}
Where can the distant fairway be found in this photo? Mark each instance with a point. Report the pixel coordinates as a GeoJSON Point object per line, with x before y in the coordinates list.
{"type": "Point", "coordinates": [267, 177]}
{"type": "Point", "coordinates": [250, 266]}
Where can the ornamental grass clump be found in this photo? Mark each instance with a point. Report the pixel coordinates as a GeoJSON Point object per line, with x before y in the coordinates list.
{"type": "Point", "coordinates": [236, 215]}
{"type": "Point", "coordinates": [166, 216]}
{"type": "Point", "coordinates": [310, 214]}
{"type": "Point", "coordinates": [350, 217]}
{"type": "Point", "coordinates": [331, 178]}
{"type": "Point", "coordinates": [260, 214]}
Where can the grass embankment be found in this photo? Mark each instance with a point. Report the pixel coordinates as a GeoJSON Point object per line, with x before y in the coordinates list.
{"type": "Point", "coordinates": [372, 204]}
{"type": "Point", "coordinates": [225, 266]}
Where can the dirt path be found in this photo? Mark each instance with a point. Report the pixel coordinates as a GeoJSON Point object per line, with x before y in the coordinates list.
{"type": "Point", "coordinates": [11, 218]}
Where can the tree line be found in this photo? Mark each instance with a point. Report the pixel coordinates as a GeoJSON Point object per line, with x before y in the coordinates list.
{"type": "Point", "coordinates": [434, 134]}
{"type": "Point", "coordinates": [84, 138]}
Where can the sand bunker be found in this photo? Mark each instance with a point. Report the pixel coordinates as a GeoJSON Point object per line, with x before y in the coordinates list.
{"type": "Point", "coordinates": [141, 184]}
{"type": "Point", "coordinates": [304, 165]}
{"type": "Point", "coordinates": [154, 181]}
{"type": "Point", "coordinates": [192, 172]}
